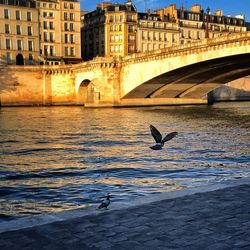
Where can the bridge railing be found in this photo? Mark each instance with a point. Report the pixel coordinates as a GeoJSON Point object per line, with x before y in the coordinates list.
{"type": "Point", "coordinates": [230, 38]}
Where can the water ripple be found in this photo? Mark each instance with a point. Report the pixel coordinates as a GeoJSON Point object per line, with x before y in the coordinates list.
{"type": "Point", "coordinates": [67, 157]}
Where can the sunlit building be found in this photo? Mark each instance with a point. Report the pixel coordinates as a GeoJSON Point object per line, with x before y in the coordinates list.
{"type": "Point", "coordinates": [196, 23]}
{"type": "Point", "coordinates": [110, 30]}
{"type": "Point", "coordinates": [119, 30]}
{"type": "Point", "coordinates": [19, 37]}
{"type": "Point", "coordinates": [40, 32]}
{"type": "Point", "coordinates": [155, 32]}
{"type": "Point", "coordinates": [59, 27]}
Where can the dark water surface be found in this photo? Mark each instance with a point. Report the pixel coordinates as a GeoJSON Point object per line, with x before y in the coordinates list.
{"type": "Point", "coordinates": [59, 158]}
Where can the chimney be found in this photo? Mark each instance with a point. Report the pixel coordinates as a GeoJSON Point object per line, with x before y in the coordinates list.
{"type": "Point", "coordinates": [218, 13]}
{"type": "Point", "coordinates": [148, 11]}
{"type": "Point", "coordinates": [196, 8]}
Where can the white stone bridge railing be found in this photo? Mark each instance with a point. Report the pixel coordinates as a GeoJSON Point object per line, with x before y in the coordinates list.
{"type": "Point", "coordinates": [203, 45]}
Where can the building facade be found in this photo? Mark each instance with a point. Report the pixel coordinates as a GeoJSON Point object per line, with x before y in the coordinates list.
{"type": "Point", "coordinates": [19, 37]}
{"type": "Point", "coordinates": [119, 30]}
{"type": "Point", "coordinates": [155, 33]}
{"type": "Point", "coordinates": [40, 32]}
{"type": "Point", "coordinates": [196, 23]}
{"type": "Point", "coordinates": [59, 29]}
{"type": "Point", "coordinates": [110, 30]}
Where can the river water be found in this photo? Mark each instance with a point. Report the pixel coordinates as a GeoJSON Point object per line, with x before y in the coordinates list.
{"type": "Point", "coordinates": [60, 158]}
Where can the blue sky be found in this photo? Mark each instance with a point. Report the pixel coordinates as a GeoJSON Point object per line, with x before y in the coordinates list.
{"type": "Point", "coordinates": [229, 7]}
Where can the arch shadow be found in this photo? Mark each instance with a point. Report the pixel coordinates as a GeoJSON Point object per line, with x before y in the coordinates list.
{"type": "Point", "coordinates": [189, 80]}
{"type": "Point", "coordinates": [85, 92]}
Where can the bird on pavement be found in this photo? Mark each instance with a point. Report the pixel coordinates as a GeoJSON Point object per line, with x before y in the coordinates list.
{"type": "Point", "coordinates": [105, 203]}
{"type": "Point", "coordinates": [158, 138]}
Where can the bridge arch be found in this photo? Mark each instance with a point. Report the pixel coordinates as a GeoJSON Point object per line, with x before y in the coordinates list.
{"type": "Point", "coordinates": [194, 80]}
{"type": "Point", "coordinates": [189, 71]}
{"type": "Point", "coordinates": [84, 92]}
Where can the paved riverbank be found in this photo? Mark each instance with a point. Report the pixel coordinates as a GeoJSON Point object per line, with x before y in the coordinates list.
{"type": "Point", "coordinates": [216, 217]}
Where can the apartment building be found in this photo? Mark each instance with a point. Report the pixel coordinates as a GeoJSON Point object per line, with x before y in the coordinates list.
{"type": "Point", "coordinates": [119, 30]}
{"type": "Point", "coordinates": [40, 32]}
{"type": "Point", "coordinates": [19, 37]}
{"type": "Point", "coordinates": [59, 28]}
{"type": "Point", "coordinates": [110, 30]}
{"type": "Point", "coordinates": [154, 32]}
{"type": "Point", "coordinates": [196, 23]}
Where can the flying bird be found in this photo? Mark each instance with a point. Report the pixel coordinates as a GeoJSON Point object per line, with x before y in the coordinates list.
{"type": "Point", "coordinates": [105, 203]}
{"type": "Point", "coordinates": [158, 138]}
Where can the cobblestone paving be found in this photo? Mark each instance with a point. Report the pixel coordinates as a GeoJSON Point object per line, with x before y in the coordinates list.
{"type": "Point", "coordinates": [212, 220]}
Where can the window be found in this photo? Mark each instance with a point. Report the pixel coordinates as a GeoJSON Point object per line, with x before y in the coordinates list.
{"type": "Point", "coordinates": [18, 30]}
{"type": "Point", "coordinates": [51, 37]}
{"type": "Point", "coordinates": [44, 14]}
{"type": "Point", "coordinates": [29, 16]}
{"type": "Point", "coordinates": [72, 40]}
{"type": "Point", "coordinates": [51, 50]}
{"type": "Point", "coordinates": [71, 16]}
{"type": "Point", "coordinates": [18, 16]}
{"type": "Point", "coordinates": [19, 45]}
{"type": "Point", "coordinates": [51, 25]}
{"type": "Point", "coordinates": [130, 28]}
{"type": "Point", "coordinates": [8, 44]}
{"type": "Point", "coordinates": [65, 6]}
{"type": "Point", "coordinates": [30, 45]}
{"type": "Point", "coordinates": [66, 38]}
{"type": "Point", "coordinates": [46, 50]}
{"type": "Point", "coordinates": [6, 14]}
{"type": "Point", "coordinates": [66, 51]}
{"type": "Point", "coordinates": [65, 15]}
{"type": "Point", "coordinates": [45, 37]}
{"type": "Point", "coordinates": [72, 51]}
{"type": "Point", "coordinates": [71, 6]}
{"type": "Point", "coordinates": [29, 31]}
{"type": "Point", "coordinates": [66, 28]}
{"type": "Point", "coordinates": [71, 27]}
{"type": "Point", "coordinates": [7, 28]}
{"type": "Point", "coordinates": [45, 25]}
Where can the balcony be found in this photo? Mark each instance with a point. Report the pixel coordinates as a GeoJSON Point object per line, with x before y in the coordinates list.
{"type": "Point", "coordinates": [193, 26]}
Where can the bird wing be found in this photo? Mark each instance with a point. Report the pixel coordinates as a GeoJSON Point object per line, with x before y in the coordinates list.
{"type": "Point", "coordinates": [168, 137]}
{"type": "Point", "coordinates": [156, 134]}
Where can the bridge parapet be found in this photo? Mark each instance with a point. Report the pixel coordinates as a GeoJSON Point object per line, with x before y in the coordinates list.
{"type": "Point", "coordinates": [96, 63]}
{"type": "Point", "coordinates": [203, 45]}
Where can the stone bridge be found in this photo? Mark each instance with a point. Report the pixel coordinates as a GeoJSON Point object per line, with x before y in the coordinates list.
{"type": "Point", "coordinates": [178, 75]}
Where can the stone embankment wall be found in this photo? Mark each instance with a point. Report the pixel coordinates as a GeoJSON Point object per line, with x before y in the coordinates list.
{"type": "Point", "coordinates": [21, 86]}
{"type": "Point", "coordinates": [33, 86]}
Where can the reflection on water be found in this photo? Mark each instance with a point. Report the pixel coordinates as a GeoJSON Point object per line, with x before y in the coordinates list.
{"type": "Point", "coordinates": [59, 158]}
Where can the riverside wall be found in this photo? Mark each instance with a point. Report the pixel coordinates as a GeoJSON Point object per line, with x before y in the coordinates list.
{"type": "Point", "coordinates": [33, 86]}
